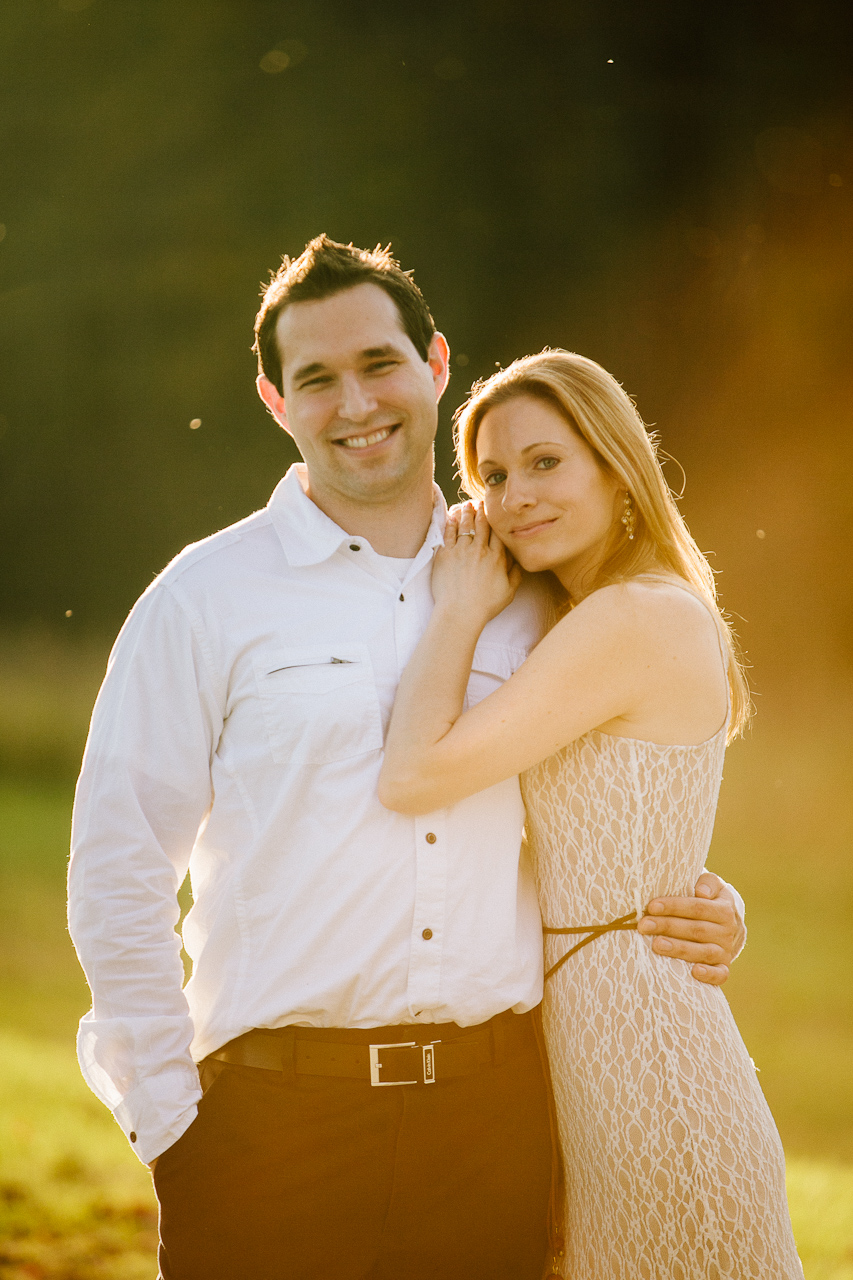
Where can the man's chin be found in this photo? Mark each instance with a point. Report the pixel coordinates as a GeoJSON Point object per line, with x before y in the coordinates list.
{"type": "Point", "coordinates": [373, 481]}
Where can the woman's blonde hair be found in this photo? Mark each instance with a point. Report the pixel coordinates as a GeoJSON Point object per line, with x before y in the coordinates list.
{"type": "Point", "coordinates": [595, 406]}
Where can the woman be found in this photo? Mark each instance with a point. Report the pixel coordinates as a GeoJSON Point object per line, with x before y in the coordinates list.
{"type": "Point", "coordinates": [617, 723]}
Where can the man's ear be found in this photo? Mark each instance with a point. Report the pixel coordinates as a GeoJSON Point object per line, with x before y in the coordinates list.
{"type": "Point", "coordinates": [438, 358]}
{"type": "Point", "coordinates": [274, 401]}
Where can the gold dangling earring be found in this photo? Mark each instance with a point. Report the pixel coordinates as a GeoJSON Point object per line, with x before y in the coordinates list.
{"type": "Point", "coordinates": [629, 518]}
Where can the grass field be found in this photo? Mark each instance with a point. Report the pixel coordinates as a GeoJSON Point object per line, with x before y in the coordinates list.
{"type": "Point", "coordinates": [75, 1204]}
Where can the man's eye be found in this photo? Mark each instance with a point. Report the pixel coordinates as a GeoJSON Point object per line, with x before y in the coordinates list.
{"type": "Point", "coordinates": [321, 380]}
{"type": "Point", "coordinates": [546, 464]}
{"type": "Point", "coordinates": [381, 365]}
{"type": "Point", "coordinates": [496, 478]}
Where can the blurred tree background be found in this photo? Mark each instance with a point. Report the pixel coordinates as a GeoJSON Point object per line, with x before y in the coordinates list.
{"type": "Point", "coordinates": [665, 187]}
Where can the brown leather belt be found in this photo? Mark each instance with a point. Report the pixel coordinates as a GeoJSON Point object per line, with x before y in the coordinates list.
{"type": "Point", "coordinates": [414, 1054]}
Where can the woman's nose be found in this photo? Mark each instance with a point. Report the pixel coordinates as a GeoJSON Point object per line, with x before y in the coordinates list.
{"type": "Point", "coordinates": [516, 495]}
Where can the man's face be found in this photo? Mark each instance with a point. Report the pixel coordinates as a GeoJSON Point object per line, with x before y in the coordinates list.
{"type": "Point", "coordinates": [358, 400]}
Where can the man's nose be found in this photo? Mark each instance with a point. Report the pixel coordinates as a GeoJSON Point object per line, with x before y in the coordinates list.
{"type": "Point", "coordinates": [356, 403]}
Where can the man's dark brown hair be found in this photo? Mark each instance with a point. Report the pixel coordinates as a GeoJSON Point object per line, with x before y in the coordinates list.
{"type": "Point", "coordinates": [325, 268]}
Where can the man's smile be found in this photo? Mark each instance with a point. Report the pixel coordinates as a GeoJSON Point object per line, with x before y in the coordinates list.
{"type": "Point", "coordinates": [366, 441]}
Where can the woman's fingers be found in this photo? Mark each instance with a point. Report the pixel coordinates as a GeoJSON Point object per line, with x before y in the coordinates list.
{"type": "Point", "coordinates": [466, 521]}
{"type": "Point", "coordinates": [481, 527]}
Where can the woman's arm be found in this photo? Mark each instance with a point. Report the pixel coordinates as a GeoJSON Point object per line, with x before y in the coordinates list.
{"type": "Point", "coordinates": [471, 583]}
{"type": "Point", "coordinates": [584, 673]}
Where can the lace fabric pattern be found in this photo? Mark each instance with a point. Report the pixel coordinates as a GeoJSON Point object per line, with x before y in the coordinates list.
{"type": "Point", "coordinates": [674, 1169]}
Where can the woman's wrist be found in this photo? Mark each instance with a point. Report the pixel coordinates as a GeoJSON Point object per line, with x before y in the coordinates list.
{"type": "Point", "coordinates": [457, 619]}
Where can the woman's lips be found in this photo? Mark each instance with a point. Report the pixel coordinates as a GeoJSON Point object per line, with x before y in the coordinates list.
{"type": "Point", "coordinates": [531, 530]}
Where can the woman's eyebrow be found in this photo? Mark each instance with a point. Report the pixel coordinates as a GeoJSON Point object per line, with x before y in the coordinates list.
{"type": "Point", "coordinates": [540, 444]}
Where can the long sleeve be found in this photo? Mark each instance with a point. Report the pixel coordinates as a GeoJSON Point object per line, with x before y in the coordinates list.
{"type": "Point", "coordinates": [143, 793]}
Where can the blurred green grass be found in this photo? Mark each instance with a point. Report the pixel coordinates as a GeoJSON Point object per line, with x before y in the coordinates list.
{"type": "Point", "coordinates": [75, 1203]}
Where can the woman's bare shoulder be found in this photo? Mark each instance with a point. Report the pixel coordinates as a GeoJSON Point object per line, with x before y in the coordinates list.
{"type": "Point", "coordinates": [645, 606]}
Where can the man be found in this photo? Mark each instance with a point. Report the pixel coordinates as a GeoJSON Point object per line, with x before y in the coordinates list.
{"type": "Point", "coordinates": [373, 1099]}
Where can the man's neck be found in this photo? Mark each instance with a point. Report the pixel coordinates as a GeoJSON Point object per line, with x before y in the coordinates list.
{"type": "Point", "coordinates": [394, 528]}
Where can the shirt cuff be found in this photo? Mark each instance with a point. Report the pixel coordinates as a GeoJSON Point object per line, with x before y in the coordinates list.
{"type": "Point", "coordinates": [157, 1112]}
{"type": "Point", "coordinates": [740, 908]}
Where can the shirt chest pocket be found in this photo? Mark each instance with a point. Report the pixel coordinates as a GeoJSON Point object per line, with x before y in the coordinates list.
{"type": "Point", "coordinates": [319, 704]}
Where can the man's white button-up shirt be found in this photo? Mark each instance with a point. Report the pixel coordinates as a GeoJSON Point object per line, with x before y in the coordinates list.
{"type": "Point", "coordinates": [239, 734]}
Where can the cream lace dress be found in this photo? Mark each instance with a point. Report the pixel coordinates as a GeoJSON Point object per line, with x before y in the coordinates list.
{"type": "Point", "coordinates": [673, 1166]}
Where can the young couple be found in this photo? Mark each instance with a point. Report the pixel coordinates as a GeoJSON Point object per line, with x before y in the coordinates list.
{"type": "Point", "coordinates": [351, 1083]}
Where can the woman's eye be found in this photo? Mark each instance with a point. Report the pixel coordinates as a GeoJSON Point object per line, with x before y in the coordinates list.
{"type": "Point", "coordinates": [546, 464]}
{"type": "Point", "coordinates": [496, 478]}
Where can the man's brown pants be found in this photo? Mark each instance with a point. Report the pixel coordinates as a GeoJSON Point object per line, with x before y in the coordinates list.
{"type": "Point", "coordinates": [318, 1178]}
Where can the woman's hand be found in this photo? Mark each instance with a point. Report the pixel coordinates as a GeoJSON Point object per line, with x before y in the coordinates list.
{"type": "Point", "coordinates": [472, 574]}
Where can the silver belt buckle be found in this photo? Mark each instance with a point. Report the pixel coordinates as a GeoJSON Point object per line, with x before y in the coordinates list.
{"type": "Point", "coordinates": [376, 1066]}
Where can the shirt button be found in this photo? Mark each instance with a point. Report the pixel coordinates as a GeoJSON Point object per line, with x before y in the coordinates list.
{"type": "Point", "coordinates": [427, 934]}
{"type": "Point", "coordinates": [353, 546]}
{"type": "Point", "coordinates": [132, 1136]}
{"type": "Point", "coordinates": [431, 837]}
{"type": "Point", "coordinates": [402, 597]}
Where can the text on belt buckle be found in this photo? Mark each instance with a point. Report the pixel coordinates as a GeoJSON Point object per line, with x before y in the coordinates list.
{"type": "Point", "coordinates": [376, 1066]}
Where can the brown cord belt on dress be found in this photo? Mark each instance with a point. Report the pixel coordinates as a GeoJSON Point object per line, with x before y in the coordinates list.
{"type": "Point", "coordinates": [594, 930]}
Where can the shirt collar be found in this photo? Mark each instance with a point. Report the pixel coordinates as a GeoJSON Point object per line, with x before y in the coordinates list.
{"type": "Point", "coordinates": [307, 534]}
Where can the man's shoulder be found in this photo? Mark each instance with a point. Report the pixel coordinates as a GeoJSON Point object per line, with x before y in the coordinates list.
{"type": "Point", "coordinates": [521, 625]}
{"type": "Point", "coordinates": [217, 556]}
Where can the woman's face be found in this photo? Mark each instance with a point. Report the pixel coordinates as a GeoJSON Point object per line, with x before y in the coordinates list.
{"type": "Point", "coordinates": [547, 496]}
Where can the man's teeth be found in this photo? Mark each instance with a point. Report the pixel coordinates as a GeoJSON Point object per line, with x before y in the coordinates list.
{"type": "Point", "coordinates": [362, 442]}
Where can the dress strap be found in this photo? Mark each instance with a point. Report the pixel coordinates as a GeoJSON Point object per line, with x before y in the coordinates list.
{"type": "Point", "coordinates": [594, 930]}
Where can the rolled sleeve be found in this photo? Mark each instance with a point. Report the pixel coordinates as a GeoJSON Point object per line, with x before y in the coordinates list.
{"type": "Point", "coordinates": [143, 793]}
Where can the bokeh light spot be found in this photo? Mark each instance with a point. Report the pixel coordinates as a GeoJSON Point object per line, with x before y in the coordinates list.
{"type": "Point", "coordinates": [274, 61]}
{"type": "Point", "coordinates": [836, 180]}
{"type": "Point", "coordinates": [195, 423]}
{"type": "Point", "coordinates": [450, 69]}
{"type": "Point", "coordinates": [759, 533]}
{"type": "Point", "coordinates": [462, 360]}
{"type": "Point", "coordinates": [69, 613]}
{"type": "Point", "coordinates": [287, 53]}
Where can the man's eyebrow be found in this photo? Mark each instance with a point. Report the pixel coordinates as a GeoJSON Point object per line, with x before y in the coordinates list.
{"type": "Point", "coordinates": [376, 353]}
{"type": "Point", "coordinates": [369, 353]}
{"type": "Point", "coordinates": [307, 370]}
